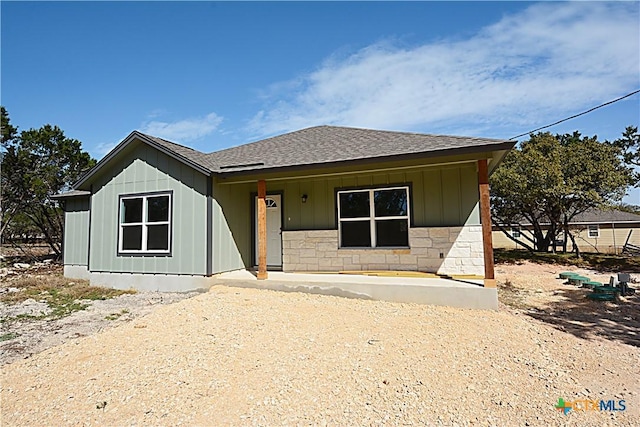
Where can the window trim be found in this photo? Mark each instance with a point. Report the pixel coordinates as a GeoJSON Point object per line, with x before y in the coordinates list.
{"type": "Point", "coordinates": [516, 232]}
{"type": "Point", "coordinates": [270, 202]}
{"type": "Point", "coordinates": [597, 231]}
{"type": "Point", "coordinates": [145, 224]}
{"type": "Point", "coordinates": [372, 218]}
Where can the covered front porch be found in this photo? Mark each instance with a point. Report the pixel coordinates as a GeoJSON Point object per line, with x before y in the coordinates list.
{"type": "Point", "coordinates": [463, 246]}
{"type": "Point", "coordinates": [418, 288]}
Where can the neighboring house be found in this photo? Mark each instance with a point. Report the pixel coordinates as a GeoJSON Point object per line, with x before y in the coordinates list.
{"type": "Point", "coordinates": [157, 215]}
{"type": "Point", "coordinates": [596, 230]}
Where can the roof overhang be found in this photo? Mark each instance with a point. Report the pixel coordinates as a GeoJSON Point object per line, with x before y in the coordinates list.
{"type": "Point", "coordinates": [136, 136]}
{"type": "Point", "coordinates": [594, 222]}
{"type": "Point", "coordinates": [70, 194]}
{"type": "Point", "coordinates": [495, 152]}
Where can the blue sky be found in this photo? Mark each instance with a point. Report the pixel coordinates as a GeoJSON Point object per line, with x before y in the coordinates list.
{"type": "Point", "coordinates": [214, 75]}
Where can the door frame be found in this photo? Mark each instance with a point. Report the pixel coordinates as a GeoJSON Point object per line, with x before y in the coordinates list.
{"type": "Point", "coordinates": [254, 255]}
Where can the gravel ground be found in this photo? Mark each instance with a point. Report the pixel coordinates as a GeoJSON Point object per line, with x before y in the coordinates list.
{"type": "Point", "coordinates": [256, 357]}
{"type": "Point", "coordinates": [34, 336]}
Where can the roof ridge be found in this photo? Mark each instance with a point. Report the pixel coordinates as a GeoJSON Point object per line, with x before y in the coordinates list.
{"type": "Point", "coordinates": [171, 142]}
{"type": "Point", "coordinates": [408, 132]}
{"type": "Point", "coordinates": [183, 151]}
{"type": "Point", "coordinates": [612, 209]}
{"type": "Point", "coordinates": [351, 128]}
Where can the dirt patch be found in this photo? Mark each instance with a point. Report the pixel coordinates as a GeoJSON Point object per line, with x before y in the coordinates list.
{"type": "Point", "coordinates": [536, 291]}
{"type": "Point", "coordinates": [257, 357]}
{"type": "Point", "coordinates": [40, 309]}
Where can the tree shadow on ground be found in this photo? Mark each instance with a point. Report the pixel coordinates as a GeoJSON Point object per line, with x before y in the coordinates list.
{"type": "Point", "coordinates": [11, 253]}
{"type": "Point", "coordinates": [595, 261]}
{"type": "Point", "coordinates": [576, 314]}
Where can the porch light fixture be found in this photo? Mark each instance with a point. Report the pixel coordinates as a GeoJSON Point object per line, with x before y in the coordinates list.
{"type": "Point", "coordinates": [304, 198]}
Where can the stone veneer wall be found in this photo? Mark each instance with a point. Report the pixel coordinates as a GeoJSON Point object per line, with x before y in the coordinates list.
{"type": "Point", "coordinates": [442, 250]}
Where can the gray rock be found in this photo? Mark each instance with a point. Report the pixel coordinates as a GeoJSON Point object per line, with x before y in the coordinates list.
{"type": "Point", "coordinates": [21, 266]}
{"type": "Point", "coordinates": [29, 307]}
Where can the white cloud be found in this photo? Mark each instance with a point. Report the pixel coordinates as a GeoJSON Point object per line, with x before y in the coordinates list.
{"type": "Point", "coordinates": [183, 130]}
{"type": "Point", "coordinates": [529, 67]}
{"type": "Point", "coordinates": [103, 148]}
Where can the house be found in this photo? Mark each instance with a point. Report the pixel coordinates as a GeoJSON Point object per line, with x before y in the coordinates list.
{"type": "Point", "coordinates": [596, 230]}
{"type": "Point", "coordinates": [153, 214]}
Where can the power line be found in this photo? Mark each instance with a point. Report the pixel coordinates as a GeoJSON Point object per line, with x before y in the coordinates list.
{"type": "Point", "coordinates": [577, 115]}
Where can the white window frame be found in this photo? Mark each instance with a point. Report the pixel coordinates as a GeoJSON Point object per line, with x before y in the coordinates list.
{"type": "Point", "coordinates": [591, 228]}
{"type": "Point", "coordinates": [516, 232]}
{"type": "Point", "coordinates": [372, 216]}
{"type": "Point", "coordinates": [144, 223]}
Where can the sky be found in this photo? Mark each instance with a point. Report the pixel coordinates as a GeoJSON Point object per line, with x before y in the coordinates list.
{"type": "Point", "coordinates": [212, 75]}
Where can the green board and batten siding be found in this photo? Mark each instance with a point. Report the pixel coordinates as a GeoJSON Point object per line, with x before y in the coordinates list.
{"type": "Point", "coordinates": [441, 196]}
{"type": "Point", "coordinates": [232, 226]}
{"type": "Point", "coordinates": [225, 253]}
{"type": "Point", "coordinates": [76, 236]}
{"type": "Point", "coordinates": [142, 169]}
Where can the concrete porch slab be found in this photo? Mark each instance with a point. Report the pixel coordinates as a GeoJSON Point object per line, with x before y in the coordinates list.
{"type": "Point", "coordinates": [435, 291]}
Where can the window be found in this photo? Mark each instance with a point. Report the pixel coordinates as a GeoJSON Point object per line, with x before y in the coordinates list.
{"type": "Point", "coordinates": [145, 224]}
{"type": "Point", "coordinates": [515, 232]}
{"type": "Point", "coordinates": [270, 203]}
{"type": "Point", "coordinates": [594, 231]}
{"type": "Point", "coordinates": [374, 218]}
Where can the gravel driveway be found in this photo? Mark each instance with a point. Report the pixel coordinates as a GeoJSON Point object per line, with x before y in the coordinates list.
{"type": "Point", "coordinates": [256, 357]}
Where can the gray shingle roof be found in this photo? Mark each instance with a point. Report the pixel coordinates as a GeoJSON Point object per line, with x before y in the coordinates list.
{"type": "Point", "coordinates": [330, 144]}
{"type": "Point", "coordinates": [605, 216]}
{"type": "Point", "coordinates": [204, 160]}
{"type": "Point", "coordinates": [596, 216]}
{"type": "Point", "coordinates": [318, 145]}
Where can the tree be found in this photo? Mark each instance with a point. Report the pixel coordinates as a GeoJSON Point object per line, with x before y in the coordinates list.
{"type": "Point", "coordinates": [627, 207]}
{"type": "Point", "coordinates": [8, 132]}
{"type": "Point", "coordinates": [549, 180]}
{"type": "Point", "coordinates": [38, 164]}
{"type": "Point", "coordinates": [7, 208]}
{"type": "Point", "coordinates": [518, 187]}
{"type": "Point", "coordinates": [630, 146]}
